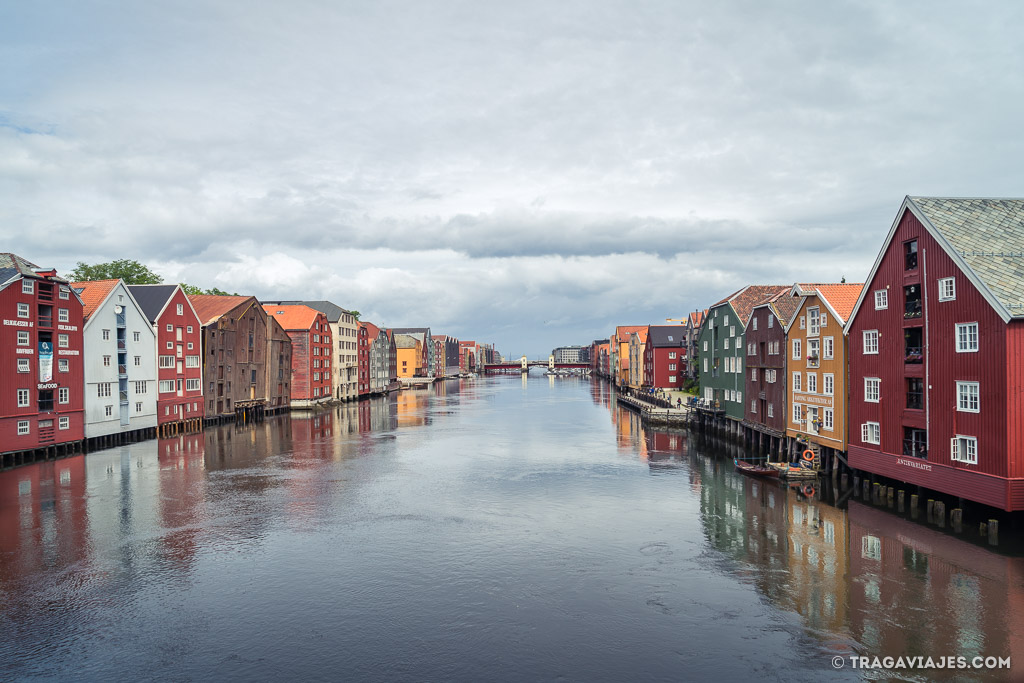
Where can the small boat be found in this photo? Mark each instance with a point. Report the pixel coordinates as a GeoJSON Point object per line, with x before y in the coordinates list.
{"type": "Point", "coordinates": [756, 470]}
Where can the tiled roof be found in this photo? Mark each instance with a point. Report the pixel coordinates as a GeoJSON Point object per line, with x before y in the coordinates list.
{"type": "Point", "coordinates": [93, 294]}
{"type": "Point", "coordinates": [666, 335]}
{"type": "Point", "coordinates": [697, 318]}
{"type": "Point", "coordinates": [152, 298]}
{"type": "Point", "coordinates": [292, 317]}
{"type": "Point", "coordinates": [785, 307]}
{"type": "Point", "coordinates": [622, 332]}
{"type": "Point", "coordinates": [12, 265]}
{"type": "Point", "coordinates": [405, 341]}
{"type": "Point", "coordinates": [743, 302]}
{"type": "Point", "coordinates": [331, 310]}
{"type": "Point", "coordinates": [372, 331]}
{"type": "Point", "coordinates": [988, 234]}
{"type": "Point", "coordinates": [209, 307]}
{"type": "Point", "coordinates": [641, 335]}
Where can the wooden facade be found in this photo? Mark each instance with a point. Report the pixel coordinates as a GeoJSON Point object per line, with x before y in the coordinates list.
{"type": "Point", "coordinates": [766, 378]}
{"type": "Point", "coordinates": [234, 354]}
{"type": "Point", "coordinates": [943, 416]}
{"type": "Point", "coordinates": [665, 362]}
{"type": "Point", "coordinates": [279, 366]}
{"type": "Point", "coordinates": [816, 365]}
{"type": "Point", "coordinates": [311, 352]}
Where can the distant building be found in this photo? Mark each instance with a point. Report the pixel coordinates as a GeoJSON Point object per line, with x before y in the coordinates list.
{"type": "Point", "coordinates": [312, 345]}
{"type": "Point", "coordinates": [409, 355]}
{"type": "Point", "coordinates": [569, 354]}
{"type": "Point", "coordinates": [664, 357]}
{"type": "Point", "coordinates": [345, 355]}
{"type": "Point", "coordinates": [425, 365]}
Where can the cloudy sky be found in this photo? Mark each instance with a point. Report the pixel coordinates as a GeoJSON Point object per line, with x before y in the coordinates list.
{"type": "Point", "coordinates": [526, 173]}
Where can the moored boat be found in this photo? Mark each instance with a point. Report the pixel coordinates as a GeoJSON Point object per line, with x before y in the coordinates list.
{"type": "Point", "coordinates": [755, 470]}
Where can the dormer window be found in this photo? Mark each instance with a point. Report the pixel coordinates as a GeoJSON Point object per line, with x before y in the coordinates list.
{"type": "Point", "coordinates": [910, 255]}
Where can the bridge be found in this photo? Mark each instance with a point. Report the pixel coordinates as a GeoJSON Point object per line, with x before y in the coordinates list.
{"type": "Point", "coordinates": [524, 365]}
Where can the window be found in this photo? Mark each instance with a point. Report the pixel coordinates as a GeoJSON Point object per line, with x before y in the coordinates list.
{"type": "Point", "coordinates": [22, 338]}
{"type": "Point", "coordinates": [966, 337]}
{"type": "Point", "coordinates": [803, 322]}
{"type": "Point", "coordinates": [813, 322]}
{"type": "Point", "coordinates": [62, 365]}
{"type": "Point", "coordinates": [672, 379]}
{"type": "Point", "coordinates": [910, 255]}
{"type": "Point", "coordinates": [103, 390]}
{"type": "Point", "coordinates": [881, 299]}
{"type": "Point", "coordinates": [62, 315]}
{"type": "Point", "coordinates": [828, 347]}
{"type": "Point", "coordinates": [140, 387]}
{"type": "Point", "coordinates": [24, 365]}
{"type": "Point", "coordinates": [705, 344]}
{"type": "Point", "coordinates": [828, 382]}
{"type": "Point", "coordinates": [872, 389]}
{"type": "Point", "coordinates": [705, 364]}
{"type": "Point", "coordinates": [967, 400]}
{"type": "Point", "coordinates": [753, 374]}
{"type": "Point", "coordinates": [23, 428]}
{"type": "Point", "coordinates": [753, 406]}
{"type": "Point", "coordinates": [181, 309]}
{"type": "Point", "coordinates": [138, 406]}
{"type": "Point", "coordinates": [28, 286]}
{"type": "Point", "coordinates": [725, 320]}
{"type": "Point", "coordinates": [109, 410]}
{"type": "Point", "coordinates": [672, 367]}
{"type": "Point", "coordinates": [23, 398]}
{"type": "Point", "coordinates": [190, 346]}
{"type": "Point", "coordinates": [64, 293]}
{"type": "Point", "coordinates": [166, 386]}
{"type": "Point", "coordinates": [796, 382]}
{"type": "Point", "coordinates": [170, 327]}
{"type": "Point", "coordinates": [771, 411]}
{"type": "Point", "coordinates": [64, 395]}
{"type": "Point", "coordinates": [166, 361]}
{"type": "Point", "coordinates": [138, 360]}
{"type": "Point", "coordinates": [726, 343]}
{"type": "Point", "coordinates": [732, 330]}
{"type": "Point", "coordinates": [170, 346]}
{"type": "Point", "coordinates": [191, 361]}
{"type": "Point", "coordinates": [106, 335]}
{"type": "Point", "coordinates": [64, 423]}
{"type": "Point", "coordinates": [671, 355]}
{"type": "Point", "coordinates": [812, 382]}
{"type": "Point", "coordinates": [965, 449]}
{"type": "Point", "coordinates": [797, 349]}
{"type": "Point", "coordinates": [870, 432]}
{"type": "Point", "coordinates": [22, 310]}
{"type": "Point", "coordinates": [797, 413]}
{"type": "Point", "coordinates": [828, 419]}
{"type": "Point", "coordinates": [192, 384]}
{"type": "Point", "coordinates": [755, 327]}
{"type": "Point", "coordinates": [190, 329]}
{"type": "Point", "coordinates": [106, 361]}
{"type": "Point", "coordinates": [136, 336]}
{"type": "Point", "coordinates": [871, 341]}
{"type": "Point", "coordinates": [62, 341]}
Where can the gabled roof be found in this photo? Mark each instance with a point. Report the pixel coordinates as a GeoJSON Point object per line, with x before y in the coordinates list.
{"type": "Point", "coordinates": [293, 317]}
{"type": "Point", "coordinates": [13, 266]}
{"type": "Point", "coordinates": [331, 310]}
{"type": "Point", "coordinates": [744, 300]}
{"type": "Point", "coordinates": [93, 294]}
{"type": "Point", "coordinates": [405, 341]}
{"type": "Point", "coordinates": [622, 332]}
{"type": "Point", "coordinates": [210, 307]}
{"type": "Point", "coordinates": [983, 237]}
{"type": "Point", "coordinates": [641, 335]}
{"type": "Point", "coordinates": [840, 297]}
{"type": "Point", "coordinates": [152, 298]}
{"type": "Point", "coordinates": [697, 318]}
{"type": "Point", "coordinates": [372, 331]}
{"type": "Point", "coordinates": [666, 335]}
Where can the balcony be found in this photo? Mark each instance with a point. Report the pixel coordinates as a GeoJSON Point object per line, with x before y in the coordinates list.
{"type": "Point", "coordinates": [912, 309]}
{"type": "Point", "coordinates": [122, 370]}
{"type": "Point", "coordinates": [812, 361]}
{"type": "Point", "coordinates": [913, 354]}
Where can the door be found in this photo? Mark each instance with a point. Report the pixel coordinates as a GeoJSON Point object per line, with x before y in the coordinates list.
{"type": "Point", "coordinates": [812, 420]}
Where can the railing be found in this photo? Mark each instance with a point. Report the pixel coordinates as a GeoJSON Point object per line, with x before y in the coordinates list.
{"type": "Point", "coordinates": [912, 309]}
{"type": "Point", "coordinates": [120, 320]}
{"type": "Point", "coordinates": [122, 370]}
{"type": "Point", "coordinates": [122, 344]}
{"type": "Point", "coordinates": [913, 354]}
{"type": "Point", "coordinates": [915, 449]}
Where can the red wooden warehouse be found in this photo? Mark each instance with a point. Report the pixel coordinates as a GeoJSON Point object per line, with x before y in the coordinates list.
{"type": "Point", "coordinates": [179, 350]}
{"type": "Point", "coordinates": [936, 352]}
{"type": "Point", "coordinates": [42, 401]}
{"type": "Point", "coordinates": [765, 381]}
{"type": "Point", "coordinates": [664, 360]}
{"type": "Point", "coordinates": [310, 332]}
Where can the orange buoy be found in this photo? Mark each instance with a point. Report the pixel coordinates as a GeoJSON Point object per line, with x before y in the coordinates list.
{"type": "Point", "coordinates": [808, 490]}
{"type": "Point", "coordinates": [808, 455]}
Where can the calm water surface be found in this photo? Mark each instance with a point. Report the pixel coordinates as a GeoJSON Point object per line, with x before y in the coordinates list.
{"type": "Point", "coordinates": [494, 529]}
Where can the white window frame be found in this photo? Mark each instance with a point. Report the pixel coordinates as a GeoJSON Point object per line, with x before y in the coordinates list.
{"type": "Point", "coordinates": [23, 339]}
{"type": "Point", "coordinates": [947, 289]}
{"type": "Point", "coordinates": [813, 322]}
{"type": "Point", "coordinates": [753, 374]}
{"type": "Point", "coordinates": [24, 398]}
{"type": "Point", "coordinates": [64, 422]}
{"type": "Point", "coordinates": [872, 389]}
{"type": "Point", "coordinates": [755, 327]}
{"type": "Point", "coordinates": [23, 310]}
{"type": "Point", "coordinates": [812, 382]}
{"type": "Point", "coordinates": [881, 299]}
{"type": "Point", "coordinates": [828, 348]}
{"type": "Point", "coordinates": [753, 406]}
{"type": "Point", "coordinates": [871, 432]}
{"type": "Point", "coordinates": [964, 391]}
{"type": "Point", "coordinates": [967, 328]}
{"type": "Point", "coordinates": [797, 384]}
{"type": "Point", "coordinates": [62, 315]}
{"type": "Point", "coordinates": [962, 448]}
{"type": "Point", "coordinates": [828, 420]}
{"type": "Point", "coordinates": [770, 410]}
{"type": "Point", "coordinates": [181, 309]}
{"type": "Point", "coordinates": [797, 349]}
{"type": "Point", "coordinates": [798, 414]}
{"type": "Point", "coordinates": [828, 384]}
{"type": "Point", "coordinates": [24, 365]}
{"type": "Point", "coordinates": [62, 341]}
{"type": "Point", "coordinates": [24, 428]}
{"type": "Point", "coordinates": [870, 347]}
{"type": "Point", "coordinates": [28, 286]}
{"type": "Point", "coordinates": [63, 395]}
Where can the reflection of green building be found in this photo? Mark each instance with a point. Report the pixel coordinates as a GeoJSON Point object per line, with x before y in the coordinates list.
{"type": "Point", "coordinates": [721, 349]}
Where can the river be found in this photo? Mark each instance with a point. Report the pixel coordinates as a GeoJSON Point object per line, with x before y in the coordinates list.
{"type": "Point", "coordinates": [497, 529]}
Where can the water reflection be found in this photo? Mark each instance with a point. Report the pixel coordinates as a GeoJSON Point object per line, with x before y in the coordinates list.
{"type": "Point", "coordinates": [476, 530]}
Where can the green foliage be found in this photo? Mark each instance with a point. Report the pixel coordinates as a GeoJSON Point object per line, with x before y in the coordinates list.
{"type": "Point", "coordinates": [132, 272]}
{"type": "Point", "coordinates": [193, 290]}
{"type": "Point", "coordinates": [355, 314]}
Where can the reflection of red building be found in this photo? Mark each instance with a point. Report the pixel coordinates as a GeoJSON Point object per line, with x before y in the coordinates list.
{"type": "Point", "coordinates": [41, 372]}
{"type": "Point", "coordinates": [182, 497]}
{"type": "Point", "coordinates": [975, 597]}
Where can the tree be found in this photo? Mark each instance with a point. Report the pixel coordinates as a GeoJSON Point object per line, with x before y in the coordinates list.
{"type": "Point", "coordinates": [355, 314]}
{"type": "Point", "coordinates": [193, 290]}
{"type": "Point", "coordinates": [132, 272]}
